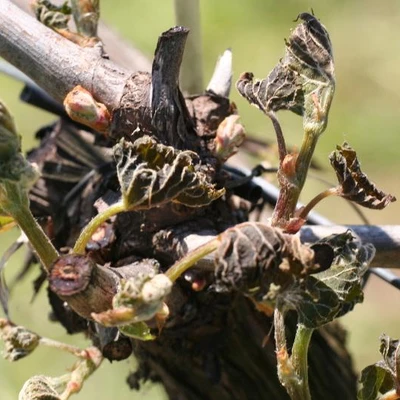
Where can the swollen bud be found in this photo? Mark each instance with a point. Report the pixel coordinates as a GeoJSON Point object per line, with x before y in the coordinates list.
{"type": "Point", "coordinates": [230, 135]}
{"type": "Point", "coordinates": [83, 108]}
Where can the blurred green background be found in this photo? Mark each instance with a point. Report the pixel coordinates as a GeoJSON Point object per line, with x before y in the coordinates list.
{"type": "Point", "coordinates": [365, 113]}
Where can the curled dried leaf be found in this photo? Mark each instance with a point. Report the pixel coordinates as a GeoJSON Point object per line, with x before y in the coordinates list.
{"type": "Point", "coordinates": [303, 81]}
{"type": "Point", "coordinates": [152, 174]}
{"type": "Point", "coordinates": [354, 184]}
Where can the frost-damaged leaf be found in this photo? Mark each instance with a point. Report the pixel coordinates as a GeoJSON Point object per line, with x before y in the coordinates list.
{"type": "Point", "coordinates": [354, 184]}
{"type": "Point", "coordinates": [334, 292]}
{"type": "Point", "coordinates": [151, 174]}
{"type": "Point", "coordinates": [18, 341]}
{"type": "Point", "coordinates": [303, 81]}
{"type": "Point", "coordinates": [261, 261]}
{"type": "Point", "coordinates": [383, 376]}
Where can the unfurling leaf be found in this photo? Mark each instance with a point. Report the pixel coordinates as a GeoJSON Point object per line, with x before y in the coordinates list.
{"type": "Point", "coordinates": [261, 261]}
{"type": "Point", "coordinates": [302, 82]}
{"type": "Point", "coordinates": [18, 341]}
{"type": "Point", "coordinates": [354, 184]}
{"type": "Point", "coordinates": [152, 174]}
{"type": "Point", "coordinates": [140, 299]}
{"type": "Point", "coordinates": [334, 292]}
{"type": "Point", "coordinates": [382, 377]}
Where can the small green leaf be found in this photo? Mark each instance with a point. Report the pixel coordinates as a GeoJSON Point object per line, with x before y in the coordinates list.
{"type": "Point", "coordinates": [152, 174]}
{"type": "Point", "coordinates": [139, 331]}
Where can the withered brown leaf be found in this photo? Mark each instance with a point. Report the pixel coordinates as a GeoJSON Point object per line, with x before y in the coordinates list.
{"type": "Point", "coordinates": [257, 259]}
{"type": "Point", "coordinates": [354, 184]}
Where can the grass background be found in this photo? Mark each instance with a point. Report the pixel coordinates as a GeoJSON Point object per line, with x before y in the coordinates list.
{"type": "Point", "coordinates": [365, 112]}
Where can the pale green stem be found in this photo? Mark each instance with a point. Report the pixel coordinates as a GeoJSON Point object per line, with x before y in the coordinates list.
{"type": "Point", "coordinates": [300, 358]}
{"type": "Point", "coordinates": [191, 258]}
{"type": "Point", "coordinates": [292, 371]}
{"type": "Point", "coordinates": [18, 207]}
{"type": "Point", "coordinates": [326, 193]}
{"type": "Point", "coordinates": [76, 351]}
{"type": "Point", "coordinates": [92, 226]}
{"type": "Point", "coordinates": [187, 14]}
{"type": "Point", "coordinates": [37, 238]}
